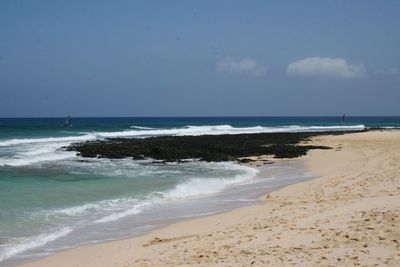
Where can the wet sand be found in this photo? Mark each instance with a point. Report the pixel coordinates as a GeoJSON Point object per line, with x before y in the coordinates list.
{"type": "Point", "coordinates": [349, 216]}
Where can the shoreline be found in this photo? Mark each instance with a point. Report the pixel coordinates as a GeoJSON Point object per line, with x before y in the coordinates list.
{"type": "Point", "coordinates": [248, 192]}
{"type": "Point", "coordinates": [297, 224]}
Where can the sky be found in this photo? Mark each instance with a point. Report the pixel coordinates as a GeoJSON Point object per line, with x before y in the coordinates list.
{"type": "Point", "coordinates": [199, 58]}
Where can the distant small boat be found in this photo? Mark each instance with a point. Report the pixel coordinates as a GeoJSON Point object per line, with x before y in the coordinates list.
{"type": "Point", "coordinates": [67, 122]}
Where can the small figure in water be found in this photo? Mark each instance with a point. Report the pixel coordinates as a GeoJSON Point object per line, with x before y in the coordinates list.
{"type": "Point", "coordinates": [342, 119]}
{"type": "Point", "coordinates": [67, 122]}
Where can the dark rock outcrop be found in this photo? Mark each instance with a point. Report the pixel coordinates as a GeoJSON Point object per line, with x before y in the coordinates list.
{"type": "Point", "coordinates": [206, 147]}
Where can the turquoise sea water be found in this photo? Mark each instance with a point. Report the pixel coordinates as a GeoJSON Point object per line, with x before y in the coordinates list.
{"type": "Point", "coordinates": [49, 197]}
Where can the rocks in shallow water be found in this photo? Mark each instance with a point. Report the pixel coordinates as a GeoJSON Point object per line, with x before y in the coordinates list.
{"type": "Point", "coordinates": [206, 147]}
{"type": "Point", "coordinates": [245, 160]}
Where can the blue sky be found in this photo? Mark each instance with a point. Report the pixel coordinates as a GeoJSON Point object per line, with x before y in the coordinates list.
{"type": "Point", "coordinates": [199, 58]}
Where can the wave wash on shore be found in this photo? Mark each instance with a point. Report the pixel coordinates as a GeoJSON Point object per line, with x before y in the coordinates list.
{"type": "Point", "coordinates": [130, 195]}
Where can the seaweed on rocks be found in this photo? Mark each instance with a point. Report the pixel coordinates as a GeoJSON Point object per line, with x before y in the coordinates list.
{"type": "Point", "coordinates": [216, 148]}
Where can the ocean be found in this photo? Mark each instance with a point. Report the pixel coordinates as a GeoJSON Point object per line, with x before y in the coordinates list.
{"type": "Point", "coordinates": [51, 199]}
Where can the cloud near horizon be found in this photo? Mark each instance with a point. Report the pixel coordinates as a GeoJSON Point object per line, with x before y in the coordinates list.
{"type": "Point", "coordinates": [245, 66]}
{"type": "Point", "coordinates": [326, 67]}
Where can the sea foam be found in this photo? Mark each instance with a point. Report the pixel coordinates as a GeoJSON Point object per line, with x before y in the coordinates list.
{"type": "Point", "coordinates": [19, 245]}
{"type": "Point", "coordinates": [224, 129]}
{"type": "Point", "coordinates": [14, 142]}
{"type": "Point", "coordinates": [35, 150]}
{"type": "Point", "coordinates": [200, 186]}
{"type": "Point", "coordinates": [115, 209]}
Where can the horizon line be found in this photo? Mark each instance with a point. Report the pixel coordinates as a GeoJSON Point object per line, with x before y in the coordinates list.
{"type": "Point", "coordinates": [200, 116]}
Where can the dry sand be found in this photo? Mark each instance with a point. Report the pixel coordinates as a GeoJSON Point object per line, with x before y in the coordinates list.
{"type": "Point", "coordinates": [350, 216]}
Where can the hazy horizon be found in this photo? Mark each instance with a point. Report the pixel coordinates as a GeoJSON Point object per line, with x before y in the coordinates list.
{"type": "Point", "coordinates": [276, 116]}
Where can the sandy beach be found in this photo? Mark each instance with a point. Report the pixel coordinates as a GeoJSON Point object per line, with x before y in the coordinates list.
{"type": "Point", "coordinates": [348, 216]}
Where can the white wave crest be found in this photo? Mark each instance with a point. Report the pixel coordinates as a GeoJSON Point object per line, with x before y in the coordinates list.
{"type": "Point", "coordinates": [225, 129]}
{"type": "Point", "coordinates": [19, 245]}
{"type": "Point", "coordinates": [14, 142]}
{"type": "Point", "coordinates": [28, 160]}
{"type": "Point", "coordinates": [141, 127]}
{"type": "Point", "coordinates": [27, 154]}
{"type": "Point", "coordinates": [116, 209]}
{"type": "Point", "coordinates": [34, 150]}
{"type": "Point", "coordinates": [201, 186]}
{"type": "Point", "coordinates": [390, 127]}
{"type": "Point", "coordinates": [116, 216]}
{"type": "Point", "coordinates": [103, 206]}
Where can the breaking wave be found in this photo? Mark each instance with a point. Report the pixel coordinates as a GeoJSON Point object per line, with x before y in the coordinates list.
{"type": "Point", "coordinates": [22, 244]}
{"type": "Point", "coordinates": [28, 151]}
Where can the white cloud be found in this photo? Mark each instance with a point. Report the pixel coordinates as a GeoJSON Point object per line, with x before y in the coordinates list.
{"type": "Point", "coordinates": [242, 66]}
{"type": "Point", "coordinates": [389, 71]}
{"type": "Point", "coordinates": [325, 67]}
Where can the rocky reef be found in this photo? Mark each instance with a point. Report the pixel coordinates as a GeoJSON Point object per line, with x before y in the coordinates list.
{"type": "Point", "coordinates": [206, 147]}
